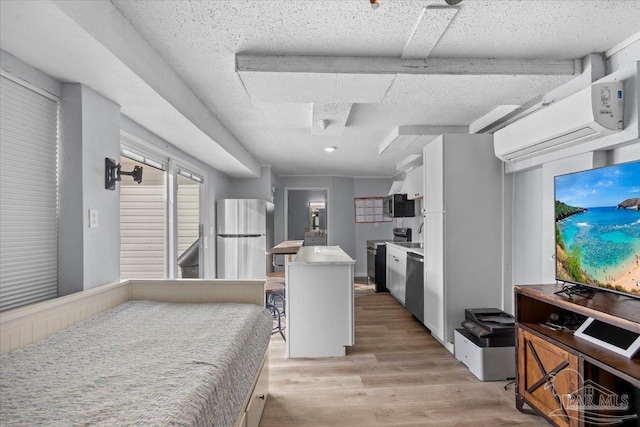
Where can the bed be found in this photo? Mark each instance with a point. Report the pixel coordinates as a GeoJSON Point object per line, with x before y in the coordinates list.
{"type": "Point", "coordinates": [179, 352]}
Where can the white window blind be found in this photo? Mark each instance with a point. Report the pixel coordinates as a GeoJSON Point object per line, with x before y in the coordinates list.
{"type": "Point", "coordinates": [143, 223]}
{"type": "Point", "coordinates": [28, 195]}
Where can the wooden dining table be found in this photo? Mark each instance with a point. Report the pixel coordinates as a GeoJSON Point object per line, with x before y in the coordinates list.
{"type": "Point", "coordinates": [288, 247]}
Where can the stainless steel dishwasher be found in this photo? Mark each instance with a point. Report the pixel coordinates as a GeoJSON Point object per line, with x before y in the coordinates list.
{"type": "Point", "coordinates": [414, 299]}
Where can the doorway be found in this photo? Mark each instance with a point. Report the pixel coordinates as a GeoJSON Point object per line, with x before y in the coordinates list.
{"type": "Point", "coordinates": [306, 215]}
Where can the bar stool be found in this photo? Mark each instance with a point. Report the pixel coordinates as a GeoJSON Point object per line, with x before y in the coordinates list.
{"type": "Point", "coordinates": [275, 292]}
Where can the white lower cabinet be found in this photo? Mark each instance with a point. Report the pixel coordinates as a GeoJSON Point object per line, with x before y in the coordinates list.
{"type": "Point", "coordinates": [258, 398]}
{"type": "Point", "coordinates": [255, 404]}
{"type": "Point", "coordinates": [397, 272]}
{"type": "Point", "coordinates": [320, 310]}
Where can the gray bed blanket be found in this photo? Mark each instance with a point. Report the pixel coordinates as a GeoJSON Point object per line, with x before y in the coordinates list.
{"type": "Point", "coordinates": [142, 363]}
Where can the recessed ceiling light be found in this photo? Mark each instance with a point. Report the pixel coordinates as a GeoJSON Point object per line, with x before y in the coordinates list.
{"type": "Point", "coordinates": [330, 149]}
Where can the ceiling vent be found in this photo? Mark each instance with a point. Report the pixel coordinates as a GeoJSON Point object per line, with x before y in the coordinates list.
{"type": "Point", "coordinates": [595, 111]}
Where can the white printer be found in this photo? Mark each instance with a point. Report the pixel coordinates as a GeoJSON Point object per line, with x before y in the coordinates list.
{"type": "Point", "coordinates": [486, 344]}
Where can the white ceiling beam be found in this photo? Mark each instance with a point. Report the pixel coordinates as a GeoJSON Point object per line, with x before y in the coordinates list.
{"type": "Point", "coordinates": [388, 65]}
{"type": "Point", "coordinates": [523, 110]}
{"type": "Point", "coordinates": [316, 87]}
{"type": "Point", "coordinates": [430, 26]}
{"type": "Point", "coordinates": [336, 116]}
{"type": "Point", "coordinates": [395, 133]}
{"type": "Point", "coordinates": [593, 66]}
{"type": "Point", "coordinates": [491, 117]}
{"type": "Point", "coordinates": [624, 44]}
{"type": "Point", "coordinates": [409, 162]}
{"type": "Point", "coordinates": [395, 137]}
{"type": "Point", "coordinates": [408, 134]}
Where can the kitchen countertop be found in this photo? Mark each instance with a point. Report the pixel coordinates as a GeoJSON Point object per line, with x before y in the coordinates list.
{"type": "Point", "coordinates": [404, 247]}
{"type": "Point", "coordinates": [322, 255]}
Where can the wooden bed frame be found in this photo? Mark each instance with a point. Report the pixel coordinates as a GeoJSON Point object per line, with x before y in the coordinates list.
{"type": "Point", "coordinates": [25, 325]}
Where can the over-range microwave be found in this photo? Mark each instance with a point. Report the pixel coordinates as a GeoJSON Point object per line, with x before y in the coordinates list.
{"type": "Point", "coordinates": [397, 206]}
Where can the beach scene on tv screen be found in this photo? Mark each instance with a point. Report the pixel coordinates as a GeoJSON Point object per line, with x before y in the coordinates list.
{"type": "Point", "coordinates": [598, 227]}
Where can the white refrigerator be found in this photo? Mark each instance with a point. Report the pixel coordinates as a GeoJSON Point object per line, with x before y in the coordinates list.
{"type": "Point", "coordinates": [244, 234]}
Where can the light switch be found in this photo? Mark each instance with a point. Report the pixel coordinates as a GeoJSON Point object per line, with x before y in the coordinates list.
{"type": "Point", "coordinates": [93, 218]}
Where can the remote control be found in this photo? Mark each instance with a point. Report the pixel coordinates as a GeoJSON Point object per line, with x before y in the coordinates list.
{"type": "Point", "coordinates": [551, 325]}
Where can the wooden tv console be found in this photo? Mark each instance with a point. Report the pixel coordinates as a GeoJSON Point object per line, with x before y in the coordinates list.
{"type": "Point", "coordinates": [568, 380]}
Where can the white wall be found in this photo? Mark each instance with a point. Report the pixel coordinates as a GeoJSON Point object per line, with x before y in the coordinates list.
{"type": "Point", "coordinates": [369, 187]}
{"type": "Point", "coordinates": [343, 215]}
{"type": "Point", "coordinates": [507, 242]}
{"type": "Point", "coordinates": [278, 208]}
{"type": "Point", "coordinates": [70, 206]}
{"type": "Point", "coordinates": [625, 154]}
{"type": "Point", "coordinates": [89, 132]}
{"type": "Point", "coordinates": [100, 139]}
{"type": "Point", "coordinates": [253, 188]}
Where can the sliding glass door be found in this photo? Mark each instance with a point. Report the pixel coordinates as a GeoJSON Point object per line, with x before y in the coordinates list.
{"type": "Point", "coordinates": [188, 224]}
{"type": "Point", "coordinates": [161, 219]}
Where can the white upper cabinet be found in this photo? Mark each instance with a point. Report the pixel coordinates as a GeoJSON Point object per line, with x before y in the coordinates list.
{"type": "Point", "coordinates": [415, 183]}
{"type": "Point", "coordinates": [433, 164]}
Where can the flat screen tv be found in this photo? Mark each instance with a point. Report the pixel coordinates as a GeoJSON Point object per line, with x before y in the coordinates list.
{"type": "Point", "coordinates": [597, 220]}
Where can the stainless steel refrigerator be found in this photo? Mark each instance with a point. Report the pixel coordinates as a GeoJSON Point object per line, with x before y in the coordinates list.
{"type": "Point", "coordinates": [244, 234]}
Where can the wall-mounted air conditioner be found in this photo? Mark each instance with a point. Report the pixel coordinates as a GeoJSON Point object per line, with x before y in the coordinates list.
{"type": "Point", "coordinates": [596, 111]}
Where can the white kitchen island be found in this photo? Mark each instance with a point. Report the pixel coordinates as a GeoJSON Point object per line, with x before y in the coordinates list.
{"type": "Point", "coordinates": [320, 321]}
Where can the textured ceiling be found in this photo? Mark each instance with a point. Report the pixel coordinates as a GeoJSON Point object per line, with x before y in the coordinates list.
{"type": "Point", "coordinates": [178, 59]}
{"type": "Point", "coordinates": [200, 41]}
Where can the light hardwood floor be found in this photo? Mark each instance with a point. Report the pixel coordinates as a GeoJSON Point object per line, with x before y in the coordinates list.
{"type": "Point", "coordinates": [396, 374]}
